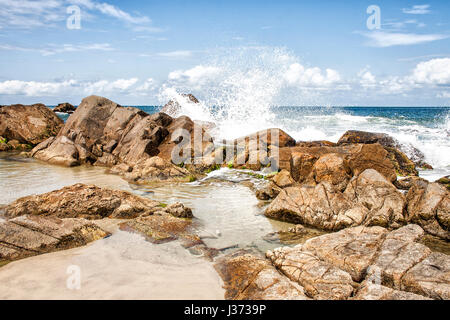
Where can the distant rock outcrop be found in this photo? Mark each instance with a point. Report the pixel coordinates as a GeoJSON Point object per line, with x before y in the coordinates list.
{"type": "Point", "coordinates": [64, 108]}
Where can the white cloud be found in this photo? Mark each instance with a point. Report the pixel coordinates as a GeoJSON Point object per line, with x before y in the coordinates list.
{"type": "Point", "coordinates": [195, 76]}
{"type": "Point", "coordinates": [418, 9]}
{"type": "Point", "coordinates": [435, 71]}
{"type": "Point", "coordinates": [56, 49]}
{"type": "Point", "coordinates": [298, 75]}
{"type": "Point", "coordinates": [367, 79]}
{"type": "Point", "coordinates": [66, 87]}
{"type": "Point", "coordinates": [387, 39]}
{"type": "Point", "coordinates": [445, 95]}
{"type": "Point", "coordinates": [29, 14]}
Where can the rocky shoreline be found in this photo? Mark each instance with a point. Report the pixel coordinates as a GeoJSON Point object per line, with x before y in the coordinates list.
{"type": "Point", "coordinates": [362, 193]}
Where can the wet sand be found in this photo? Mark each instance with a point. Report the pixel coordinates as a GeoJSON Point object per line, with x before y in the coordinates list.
{"type": "Point", "coordinates": [123, 266]}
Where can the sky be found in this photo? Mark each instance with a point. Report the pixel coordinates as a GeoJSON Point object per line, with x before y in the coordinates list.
{"type": "Point", "coordinates": [367, 53]}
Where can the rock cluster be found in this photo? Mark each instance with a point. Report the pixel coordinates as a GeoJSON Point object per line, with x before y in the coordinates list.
{"type": "Point", "coordinates": [104, 133]}
{"type": "Point", "coordinates": [362, 263]}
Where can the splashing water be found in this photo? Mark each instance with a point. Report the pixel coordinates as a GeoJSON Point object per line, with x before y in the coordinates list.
{"type": "Point", "coordinates": [238, 90]}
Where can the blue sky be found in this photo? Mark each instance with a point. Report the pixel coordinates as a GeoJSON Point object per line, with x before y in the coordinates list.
{"type": "Point", "coordinates": [302, 52]}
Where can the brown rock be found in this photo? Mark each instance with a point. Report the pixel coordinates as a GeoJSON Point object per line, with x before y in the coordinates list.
{"type": "Point", "coordinates": [28, 124]}
{"type": "Point", "coordinates": [319, 279]}
{"type": "Point", "coordinates": [371, 291]}
{"type": "Point", "coordinates": [333, 169]}
{"type": "Point", "coordinates": [31, 235]}
{"type": "Point", "coordinates": [430, 278]}
{"type": "Point", "coordinates": [82, 201]}
{"type": "Point", "coordinates": [445, 181]}
{"type": "Point", "coordinates": [248, 277]}
{"type": "Point", "coordinates": [428, 205]}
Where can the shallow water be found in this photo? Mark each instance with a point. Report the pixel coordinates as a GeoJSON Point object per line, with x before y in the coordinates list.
{"type": "Point", "coordinates": [226, 211]}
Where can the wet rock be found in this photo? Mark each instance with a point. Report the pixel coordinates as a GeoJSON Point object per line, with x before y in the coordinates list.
{"type": "Point", "coordinates": [29, 125]}
{"type": "Point", "coordinates": [64, 108]}
{"type": "Point", "coordinates": [161, 227]}
{"type": "Point", "coordinates": [82, 201]}
{"type": "Point", "coordinates": [248, 277]}
{"type": "Point", "coordinates": [178, 210]}
{"type": "Point", "coordinates": [26, 236]}
{"type": "Point", "coordinates": [60, 151]}
{"type": "Point", "coordinates": [428, 205]}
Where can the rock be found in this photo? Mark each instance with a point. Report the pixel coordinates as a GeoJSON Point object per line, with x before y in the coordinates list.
{"type": "Point", "coordinates": [428, 205]}
{"type": "Point", "coordinates": [333, 169]}
{"type": "Point", "coordinates": [104, 133]}
{"type": "Point", "coordinates": [384, 202]}
{"type": "Point", "coordinates": [153, 169]}
{"type": "Point", "coordinates": [402, 164]}
{"type": "Point", "coordinates": [283, 179]}
{"type": "Point", "coordinates": [268, 192]}
{"type": "Point", "coordinates": [445, 181]}
{"type": "Point", "coordinates": [351, 250]}
{"type": "Point", "coordinates": [60, 151]}
{"type": "Point", "coordinates": [369, 199]}
{"type": "Point", "coordinates": [31, 124]}
{"type": "Point", "coordinates": [318, 206]}
{"type": "Point", "coordinates": [388, 264]}
{"type": "Point", "coordinates": [248, 277]}
{"type": "Point", "coordinates": [396, 150]}
{"type": "Point", "coordinates": [26, 236]}
{"type": "Point", "coordinates": [160, 227]}
{"type": "Point", "coordinates": [408, 182]}
{"type": "Point", "coordinates": [64, 108]}
{"type": "Point", "coordinates": [173, 107]}
{"type": "Point", "coordinates": [82, 201]}
{"type": "Point", "coordinates": [320, 280]}
{"type": "Point", "coordinates": [320, 143]}
{"type": "Point", "coordinates": [372, 291]}
{"type": "Point", "coordinates": [339, 163]}
{"type": "Point", "coordinates": [178, 210]}
{"type": "Point", "coordinates": [430, 278]}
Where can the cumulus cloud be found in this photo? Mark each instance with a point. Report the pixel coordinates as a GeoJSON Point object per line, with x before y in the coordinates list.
{"type": "Point", "coordinates": [298, 75]}
{"type": "Point", "coordinates": [366, 78]}
{"type": "Point", "coordinates": [66, 87]}
{"type": "Point", "coordinates": [383, 39]}
{"type": "Point", "coordinates": [435, 71]}
{"type": "Point", "coordinates": [195, 76]}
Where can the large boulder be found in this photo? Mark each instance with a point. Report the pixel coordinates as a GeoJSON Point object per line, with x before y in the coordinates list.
{"type": "Point", "coordinates": [369, 199]}
{"type": "Point", "coordinates": [338, 164]}
{"type": "Point", "coordinates": [428, 204]}
{"type": "Point", "coordinates": [28, 124]}
{"type": "Point", "coordinates": [82, 201]}
{"type": "Point", "coordinates": [396, 150]}
{"type": "Point", "coordinates": [249, 277]}
{"type": "Point", "coordinates": [64, 108]}
{"type": "Point", "coordinates": [26, 235]}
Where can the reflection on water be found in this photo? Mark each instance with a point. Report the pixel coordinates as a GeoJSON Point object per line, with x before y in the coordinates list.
{"type": "Point", "coordinates": [227, 212]}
